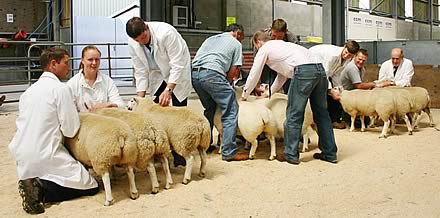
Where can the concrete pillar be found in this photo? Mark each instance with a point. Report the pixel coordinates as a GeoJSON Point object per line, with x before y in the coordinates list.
{"type": "Point", "coordinates": [56, 20]}
{"type": "Point", "coordinates": [326, 23]}
{"type": "Point", "coordinates": [338, 22]}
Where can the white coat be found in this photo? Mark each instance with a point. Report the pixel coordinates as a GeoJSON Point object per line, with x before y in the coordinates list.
{"type": "Point", "coordinates": [404, 72]}
{"type": "Point", "coordinates": [170, 53]}
{"type": "Point", "coordinates": [46, 114]}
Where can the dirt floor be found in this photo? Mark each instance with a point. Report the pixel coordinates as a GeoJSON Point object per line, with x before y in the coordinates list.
{"type": "Point", "coordinates": [394, 177]}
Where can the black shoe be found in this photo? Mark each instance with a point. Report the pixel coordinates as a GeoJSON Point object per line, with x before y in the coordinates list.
{"type": "Point", "coordinates": [178, 160]}
{"type": "Point", "coordinates": [210, 149]}
{"type": "Point", "coordinates": [31, 191]}
{"type": "Point", "coordinates": [323, 158]}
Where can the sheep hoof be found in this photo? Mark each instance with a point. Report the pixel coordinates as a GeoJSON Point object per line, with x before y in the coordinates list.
{"type": "Point", "coordinates": [383, 137]}
{"type": "Point", "coordinates": [202, 174]}
{"type": "Point", "coordinates": [168, 186]}
{"type": "Point", "coordinates": [272, 157]}
{"type": "Point", "coordinates": [134, 195]}
{"type": "Point", "coordinates": [185, 181]}
{"type": "Point", "coordinates": [410, 133]}
{"type": "Point", "coordinates": [362, 130]}
{"type": "Point", "coordinates": [109, 202]}
{"type": "Point", "coordinates": [155, 190]}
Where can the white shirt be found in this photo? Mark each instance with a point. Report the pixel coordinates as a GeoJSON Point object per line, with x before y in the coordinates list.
{"type": "Point", "coordinates": [171, 55]}
{"type": "Point", "coordinates": [330, 57]}
{"type": "Point", "coordinates": [281, 57]}
{"type": "Point", "coordinates": [46, 113]}
{"type": "Point", "coordinates": [104, 90]}
{"type": "Point", "coordinates": [404, 72]}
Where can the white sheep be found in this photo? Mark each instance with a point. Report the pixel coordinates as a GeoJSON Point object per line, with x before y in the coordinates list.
{"type": "Point", "coordinates": [405, 104]}
{"type": "Point", "coordinates": [102, 142]}
{"type": "Point", "coordinates": [422, 103]}
{"type": "Point", "coordinates": [253, 119]}
{"type": "Point", "coordinates": [277, 103]}
{"type": "Point", "coordinates": [376, 102]}
{"type": "Point", "coordinates": [186, 130]}
{"type": "Point", "coordinates": [150, 142]}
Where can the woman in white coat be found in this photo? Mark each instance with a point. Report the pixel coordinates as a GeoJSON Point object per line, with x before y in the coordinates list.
{"type": "Point", "coordinates": [91, 89]}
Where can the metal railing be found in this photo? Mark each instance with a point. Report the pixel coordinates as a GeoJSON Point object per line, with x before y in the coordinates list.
{"type": "Point", "coordinates": [30, 68]}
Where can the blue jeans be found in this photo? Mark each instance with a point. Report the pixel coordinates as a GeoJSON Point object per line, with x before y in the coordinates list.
{"type": "Point", "coordinates": [214, 90]}
{"type": "Point", "coordinates": [309, 81]}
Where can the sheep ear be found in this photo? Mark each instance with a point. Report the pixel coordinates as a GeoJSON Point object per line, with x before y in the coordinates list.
{"type": "Point", "coordinates": [136, 100]}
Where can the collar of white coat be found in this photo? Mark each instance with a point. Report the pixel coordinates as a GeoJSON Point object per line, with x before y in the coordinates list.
{"type": "Point", "coordinates": [85, 84]}
{"type": "Point", "coordinates": [47, 74]}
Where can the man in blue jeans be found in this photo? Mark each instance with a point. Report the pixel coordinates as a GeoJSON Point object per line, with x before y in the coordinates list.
{"type": "Point", "coordinates": [213, 69]}
{"type": "Point", "coordinates": [309, 81]}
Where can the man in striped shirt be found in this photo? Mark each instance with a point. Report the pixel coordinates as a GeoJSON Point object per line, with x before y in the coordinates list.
{"type": "Point", "coordinates": [214, 67]}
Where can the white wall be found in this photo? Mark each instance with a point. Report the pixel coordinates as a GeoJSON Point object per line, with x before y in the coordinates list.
{"type": "Point", "coordinates": [365, 27]}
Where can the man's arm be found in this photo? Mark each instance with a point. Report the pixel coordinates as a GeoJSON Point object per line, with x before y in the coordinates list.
{"type": "Point", "coordinates": [408, 73]}
{"type": "Point", "coordinates": [255, 73]}
{"type": "Point", "coordinates": [66, 111]}
{"type": "Point", "coordinates": [140, 70]}
{"type": "Point", "coordinates": [368, 85]}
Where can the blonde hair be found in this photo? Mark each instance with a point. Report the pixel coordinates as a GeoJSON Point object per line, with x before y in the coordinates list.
{"type": "Point", "coordinates": [260, 35]}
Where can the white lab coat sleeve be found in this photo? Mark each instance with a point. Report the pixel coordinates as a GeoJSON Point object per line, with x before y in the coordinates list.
{"type": "Point", "coordinates": [382, 72]}
{"type": "Point", "coordinates": [255, 73]}
{"type": "Point", "coordinates": [66, 111]}
{"type": "Point", "coordinates": [113, 95]}
{"type": "Point", "coordinates": [178, 55]}
{"type": "Point", "coordinates": [140, 70]}
{"type": "Point", "coordinates": [407, 77]}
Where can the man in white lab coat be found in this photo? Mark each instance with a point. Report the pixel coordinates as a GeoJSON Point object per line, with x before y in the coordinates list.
{"type": "Point", "coordinates": [335, 59]}
{"type": "Point", "coordinates": [398, 69]}
{"type": "Point", "coordinates": [45, 169]}
{"type": "Point", "coordinates": [161, 62]}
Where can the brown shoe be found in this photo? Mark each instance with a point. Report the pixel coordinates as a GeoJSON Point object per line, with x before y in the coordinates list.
{"type": "Point", "coordinates": [238, 157]}
{"type": "Point", "coordinates": [282, 158]}
{"type": "Point", "coordinates": [337, 125]}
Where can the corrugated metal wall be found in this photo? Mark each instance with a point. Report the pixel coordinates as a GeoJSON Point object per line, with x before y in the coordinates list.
{"type": "Point", "coordinates": [99, 7]}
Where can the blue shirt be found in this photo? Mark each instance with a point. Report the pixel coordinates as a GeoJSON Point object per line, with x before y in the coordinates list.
{"type": "Point", "coordinates": [219, 53]}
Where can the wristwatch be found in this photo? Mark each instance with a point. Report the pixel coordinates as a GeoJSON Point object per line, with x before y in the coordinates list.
{"type": "Point", "coordinates": [169, 89]}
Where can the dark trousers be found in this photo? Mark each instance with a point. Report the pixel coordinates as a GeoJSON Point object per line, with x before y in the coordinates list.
{"type": "Point", "coordinates": [176, 102]}
{"type": "Point", "coordinates": [53, 192]}
{"type": "Point", "coordinates": [334, 109]}
{"type": "Point", "coordinates": [178, 160]}
{"type": "Point", "coordinates": [268, 76]}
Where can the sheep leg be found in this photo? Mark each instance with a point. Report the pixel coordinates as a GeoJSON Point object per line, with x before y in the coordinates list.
{"type": "Point", "coordinates": [415, 119]}
{"type": "Point", "coordinates": [253, 149]}
{"type": "Point", "coordinates": [431, 121]}
{"type": "Point", "coordinates": [246, 145]}
{"type": "Point", "coordinates": [408, 125]}
{"type": "Point", "coordinates": [166, 170]}
{"type": "Point", "coordinates": [134, 194]}
{"type": "Point", "coordinates": [352, 123]}
{"type": "Point", "coordinates": [188, 169]}
{"type": "Point", "coordinates": [153, 176]}
{"type": "Point", "coordinates": [273, 147]}
{"type": "Point", "coordinates": [203, 158]}
{"type": "Point", "coordinates": [305, 142]}
{"type": "Point", "coordinates": [372, 121]}
{"type": "Point", "coordinates": [386, 124]}
{"type": "Point", "coordinates": [362, 123]}
{"type": "Point", "coordinates": [108, 189]}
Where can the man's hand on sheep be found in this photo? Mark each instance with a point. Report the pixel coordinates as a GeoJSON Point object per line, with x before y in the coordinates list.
{"type": "Point", "coordinates": [97, 106]}
{"type": "Point", "coordinates": [335, 94]}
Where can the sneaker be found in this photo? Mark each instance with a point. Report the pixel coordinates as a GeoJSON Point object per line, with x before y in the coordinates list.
{"type": "Point", "coordinates": [31, 191]}
{"type": "Point", "coordinates": [323, 158]}
{"type": "Point", "coordinates": [338, 125]}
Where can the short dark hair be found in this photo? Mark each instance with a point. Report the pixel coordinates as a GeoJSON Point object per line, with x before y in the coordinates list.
{"type": "Point", "coordinates": [53, 53]}
{"type": "Point", "coordinates": [279, 25]}
{"type": "Point", "coordinates": [362, 51]}
{"type": "Point", "coordinates": [352, 46]}
{"type": "Point", "coordinates": [135, 26]}
{"type": "Point", "coordinates": [234, 27]}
